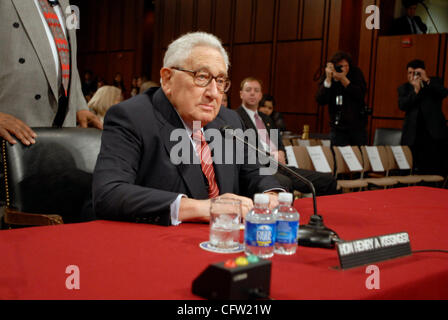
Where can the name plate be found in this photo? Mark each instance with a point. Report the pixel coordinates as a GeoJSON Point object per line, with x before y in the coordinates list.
{"type": "Point", "coordinates": [374, 158]}
{"type": "Point", "coordinates": [402, 162]}
{"type": "Point", "coordinates": [350, 159]}
{"type": "Point", "coordinates": [291, 157]}
{"type": "Point", "coordinates": [318, 158]}
{"type": "Point", "coordinates": [380, 248]}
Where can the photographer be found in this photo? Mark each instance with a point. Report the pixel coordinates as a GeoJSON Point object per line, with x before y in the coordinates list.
{"type": "Point", "coordinates": [424, 126]}
{"type": "Point", "coordinates": [343, 88]}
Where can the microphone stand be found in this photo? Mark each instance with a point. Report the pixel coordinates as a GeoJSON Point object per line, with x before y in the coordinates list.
{"type": "Point", "coordinates": [315, 233]}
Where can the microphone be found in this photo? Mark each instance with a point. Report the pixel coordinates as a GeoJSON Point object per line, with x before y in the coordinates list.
{"type": "Point", "coordinates": [313, 234]}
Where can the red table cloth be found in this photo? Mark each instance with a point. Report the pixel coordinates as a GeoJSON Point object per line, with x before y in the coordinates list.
{"type": "Point", "coordinates": [120, 260]}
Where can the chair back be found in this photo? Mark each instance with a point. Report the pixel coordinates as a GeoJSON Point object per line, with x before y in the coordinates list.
{"type": "Point", "coordinates": [393, 162]}
{"type": "Point", "coordinates": [387, 137]}
{"type": "Point", "coordinates": [54, 175]}
{"type": "Point", "coordinates": [341, 165]}
{"type": "Point", "coordinates": [304, 160]}
{"type": "Point", "coordinates": [383, 157]}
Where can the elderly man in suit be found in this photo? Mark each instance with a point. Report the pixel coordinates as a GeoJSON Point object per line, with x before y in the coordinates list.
{"type": "Point", "coordinates": [251, 95]}
{"type": "Point", "coordinates": [138, 175]}
{"type": "Point", "coordinates": [39, 80]}
{"type": "Point", "coordinates": [424, 126]}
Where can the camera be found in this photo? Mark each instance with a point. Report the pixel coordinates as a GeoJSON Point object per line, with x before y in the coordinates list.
{"type": "Point", "coordinates": [416, 74]}
{"type": "Point", "coordinates": [338, 69]}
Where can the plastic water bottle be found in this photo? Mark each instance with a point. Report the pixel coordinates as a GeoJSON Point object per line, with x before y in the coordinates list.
{"type": "Point", "coordinates": [259, 235]}
{"type": "Point", "coordinates": [287, 227]}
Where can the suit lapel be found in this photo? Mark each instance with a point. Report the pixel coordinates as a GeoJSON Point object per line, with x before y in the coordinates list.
{"type": "Point", "coordinates": [189, 172]}
{"type": "Point", "coordinates": [32, 23]}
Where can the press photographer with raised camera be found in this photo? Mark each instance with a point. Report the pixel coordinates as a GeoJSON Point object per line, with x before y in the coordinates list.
{"type": "Point", "coordinates": [343, 89]}
{"type": "Point", "coordinates": [424, 126]}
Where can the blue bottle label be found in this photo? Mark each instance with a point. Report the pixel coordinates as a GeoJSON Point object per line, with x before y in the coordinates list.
{"type": "Point", "coordinates": [259, 235]}
{"type": "Point", "coordinates": [287, 232]}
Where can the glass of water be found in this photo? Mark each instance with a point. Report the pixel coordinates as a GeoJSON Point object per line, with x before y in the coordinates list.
{"type": "Point", "coordinates": [225, 220]}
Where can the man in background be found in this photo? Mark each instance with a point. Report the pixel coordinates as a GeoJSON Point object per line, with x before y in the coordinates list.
{"type": "Point", "coordinates": [251, 95]}
{"type": "Point", "coordinates": [424, 126]}
{"type": "Point", "coordinates": [39, 80]}
{"type": "Point", "coordinates": [343, 89]}
{"type": "Point", "coordinates": [409, 23]}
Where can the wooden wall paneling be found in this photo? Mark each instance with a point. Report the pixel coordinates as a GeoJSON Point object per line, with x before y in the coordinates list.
{"type": "Point", "coordinates": [391, 63]}
{"type": "Point", "coordinates": [102, 20]}
{"type": "Point", "coordinates": [313, 19]}
{"type": "Point", "coordinates": [288, 19]}
{"type": "Point", "coordinates": [334, 26]}
{"type": "Point", "coordinates": [93, 62]}
{"type": "Point", "coordinates": [243, 21]}
{"type": "Point", "coordinates": [84, 41]}
{"type": "Point", "coordinates": [132, 24]}
{"type": "Point", "coordinates": [249, 60]}
{"type": "Point", "coordinates": [115, 25]}
{"type": "Point", "coordinates": [223, 19]}
{"type": "Point", "coordinates": [264, 20]}
{"type": "Point", "coordinates": [324, 57]}
{"type": "Point", "coordinates": [296, 66]}
{"type": "Point", "coordinates": [445, 63]}
{"type": "Point", "coordinates": [204, 15]}
{"type": "Point", "coordinates": [350, 21]}
{"type": "Point", "coordinates": [295, 122]}
{"type": "Point", "coordinates": [121, 62]}
{"type": "Point", "coordinates": [157, 45]}
{"type": "Point", "coordinates": [168, 23]}
{"type": "Point", "coordinates": [366, 39]}
{"type": "Point", "coordinates": [186, 17]}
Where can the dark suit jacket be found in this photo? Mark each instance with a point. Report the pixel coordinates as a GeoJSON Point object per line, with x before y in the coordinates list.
{"type": "Point", "coordinates": [428, 102]}
{"type": "Point", "coordinates": [352, 113]}
{"type": "Point", "coordinates": [135, 179]}
{"type": "Point", "coordinates": [401, 26]}
{"type": "Point", "coordinates": [268, 122]}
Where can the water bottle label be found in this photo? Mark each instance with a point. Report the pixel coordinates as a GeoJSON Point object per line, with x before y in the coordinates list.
{"type": "Point", "coordinates": [260, 235]}
{"type": "Point", "coordinates": [287, 232]}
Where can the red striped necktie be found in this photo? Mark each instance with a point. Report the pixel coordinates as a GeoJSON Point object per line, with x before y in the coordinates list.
{"type": "Point", "coordinates": [60, 41]}
{"type": "Point", "coordinates": [206, 163]}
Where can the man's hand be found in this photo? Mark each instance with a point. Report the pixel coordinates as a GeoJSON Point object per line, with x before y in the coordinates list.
{"type": "Point", "coordinates": [199, 210]}
{"type": "Point", "coordinates": [11, 125]}
{"type": "Point", "coordinates": [279, 156]}
{"type": "Point", "coordinates": [329, 71]}
{"type": "Point", "coordinates": [85, 119]}
{"type": "Point", "coordinates": [423, 75]}
{"type": "Point", "coordinates": [342, 77]}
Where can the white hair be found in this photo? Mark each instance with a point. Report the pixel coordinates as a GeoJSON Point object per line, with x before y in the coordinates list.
{"type": "Point", "coordinates": [180, 49]}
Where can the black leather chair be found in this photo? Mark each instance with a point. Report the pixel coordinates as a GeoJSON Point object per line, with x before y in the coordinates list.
{"type": "Point", "coordinates": [387, 137]}
{"type": "Point", "coordinates": [50, 182]}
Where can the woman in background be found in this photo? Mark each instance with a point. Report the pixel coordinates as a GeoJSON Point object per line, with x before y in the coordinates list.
{"type": "Point", "coordinates": [104, 98]}
{"type": "Point", "coordinates": [266, 106]}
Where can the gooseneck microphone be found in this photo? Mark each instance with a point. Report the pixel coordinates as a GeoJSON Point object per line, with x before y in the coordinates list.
{"type": "Point", "coordinates": [313, 234]}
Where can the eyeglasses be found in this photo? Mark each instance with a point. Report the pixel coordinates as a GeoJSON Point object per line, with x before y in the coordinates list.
{"type": "Point", "coordinates": [203, 78]}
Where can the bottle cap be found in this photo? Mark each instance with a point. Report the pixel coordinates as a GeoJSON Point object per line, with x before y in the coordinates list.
{"type": "Point", "coordinates": [285, 197]}
{"type": "Point", "coordinates": [261, 198]}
